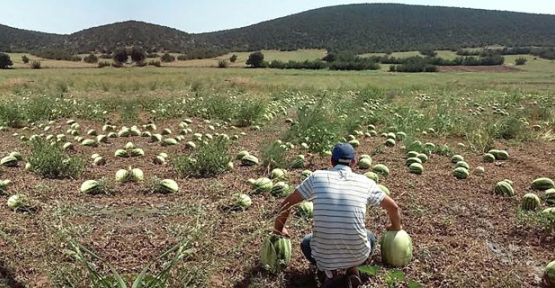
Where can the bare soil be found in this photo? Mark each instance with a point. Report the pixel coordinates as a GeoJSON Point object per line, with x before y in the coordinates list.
{"type": "Point", "coordinates": [464, 236]}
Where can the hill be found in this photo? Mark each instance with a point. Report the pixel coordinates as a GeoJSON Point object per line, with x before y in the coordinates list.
{"type": "Point", "coordinates": [385, 27]}
{"type": "Point", "coordinates": [356, 27]}
{"type": "Point", "coordinates": [108, 37]}
{"type": "Point", "coordinates": [19, 40]}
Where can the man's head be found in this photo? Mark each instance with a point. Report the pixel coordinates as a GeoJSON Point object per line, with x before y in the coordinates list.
{"type": "Point", "coordinates": [343, 154]}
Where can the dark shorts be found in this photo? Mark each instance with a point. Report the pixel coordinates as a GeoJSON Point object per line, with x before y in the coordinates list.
{"type": "Point", "coordinates": [307, 251]}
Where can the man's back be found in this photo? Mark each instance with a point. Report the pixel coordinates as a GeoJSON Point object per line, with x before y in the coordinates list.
{"type": "Point", "coordinates": [340, 198]}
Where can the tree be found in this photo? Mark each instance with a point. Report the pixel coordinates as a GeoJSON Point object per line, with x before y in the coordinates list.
{"type": "Point", "coordinates": [5, 61]}
{"type": "Point", "coordinates": [90, 59]}
{"type": "Point", "coordinates": [25, 59]}
{"type": "Point", "coordinates": [167, 58]}
{"type": "Point", "coordinates": [330, 57]}
{"type": "Point", "coordinates": [256, 59]}
{"type": "Point", "coordinates": [120, 56]}
{"type": "Point", "coordinates": [223, 64]}
{"type": "Point", "coordinates": [233, 58]}
{"type": "Point", "coordinates": [520, 61]}
{"type": "Point", "coordinates": [138, 55]}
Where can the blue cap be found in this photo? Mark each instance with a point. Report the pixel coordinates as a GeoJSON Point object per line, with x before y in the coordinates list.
{"type": "Point", "coordinates": [343, 153]}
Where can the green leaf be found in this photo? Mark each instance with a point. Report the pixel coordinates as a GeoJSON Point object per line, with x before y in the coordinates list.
{"type": "Point", "coordinates": [371, 270]}
{"type": "Point", "coordinates": [414, 284]}
{"type": "Point", "coordinates": [396, 275]}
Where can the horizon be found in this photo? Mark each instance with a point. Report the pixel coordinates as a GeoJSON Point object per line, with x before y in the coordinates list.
{"type": "Point", "coordinates": [184, 24]}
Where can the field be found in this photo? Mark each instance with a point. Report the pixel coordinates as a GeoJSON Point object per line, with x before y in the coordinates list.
{"type": "Point", "coordinates": [464, 235]}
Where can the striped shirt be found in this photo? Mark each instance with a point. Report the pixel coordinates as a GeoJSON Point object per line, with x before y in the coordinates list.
{"type": "Point", "coordinates": [340, 197]}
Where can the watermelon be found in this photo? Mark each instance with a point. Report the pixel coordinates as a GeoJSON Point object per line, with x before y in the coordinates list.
{"type": "Point", "coordinates": [396, 248]}
{"type": "Point", "coordinates": [275, 253]}
{"type": "Point", "coordinates": [504, 188]}
{"type": "Point", "coordinates": [543, 183]}
{"type": "Point", "coordinates": [461, 173]}
{"type": "Point", "coordinates": [381, 169]}
{"type": "Point", "coordinates": [280, 189]}
{"type": "Point", "coordinates": [306, 209]}
{"type": "Point", "coordinates": [549, 274]}
{"type": "Point", "coordinates": [530, 202]}
{"type": "Point", "coordinates": [499, 154]}
{"type": "Point", "coordinates": [488, 158]}
{"type": "Point", "coordinates": [416, 168]}
{"type": "Point", "coordinates": [365, 163]}
{"type": "Point", "coordinates": [456, 158]}
{"type": "Point", "coordinates": [249, 160]}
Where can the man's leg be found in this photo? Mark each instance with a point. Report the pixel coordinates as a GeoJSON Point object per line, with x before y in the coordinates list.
{"type": "Point", "coordinates": [305, 248]}
{"type": "Point", "coordinates": [372, 240]}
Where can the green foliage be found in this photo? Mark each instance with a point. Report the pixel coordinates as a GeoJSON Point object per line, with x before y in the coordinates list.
{"type": "Point", "coordinates": [256, 60]}
{"type": "Point", "coordinates": [233, 58]}
{"type": "Point", "coordinates": [544, 221]}
{"type": "Point", "coordinates": [223, 64]}
{"type": "Point", "coordinates": [208, 160]}
{"type": "Point", "coordinates": [324, 123]}
{"type": "Point", "coordinates": [249, 112]}
{"type": "Point", "coordinates": [25, 59]}
{"type": "Point", "coordinates": [5, 61]}
{"type": "Point", "coordinates": [120, 56]}
{"type": "Point", "coordinates": [520, 61]}
{"type": "Point", "coordinates": [35, 65]}
{"type": "Point", "coordinates": [167, 58]}
{"type": "Point", "coordinates": [138, 54]}
{"type": "Point", "coordinates": [274, 155]}
{"type": "Point", "coordinates": [91, 58]}
{"type": "Point", "coordinates": [50, 161]}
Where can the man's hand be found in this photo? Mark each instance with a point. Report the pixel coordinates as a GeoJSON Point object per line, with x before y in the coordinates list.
{"type": "Point", "coordinates": [283, 232]}
{"type": "Point", "coordinates": [391, 228]}
{"type": "Point", "coordinates": [284, 208]}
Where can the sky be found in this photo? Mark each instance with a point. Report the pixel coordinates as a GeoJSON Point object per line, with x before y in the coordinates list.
{"type": "Point", "coordinates": [68, 16]}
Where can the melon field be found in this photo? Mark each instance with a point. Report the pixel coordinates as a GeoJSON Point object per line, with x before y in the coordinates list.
{"type": "Point", "coordinates": [142, 177]}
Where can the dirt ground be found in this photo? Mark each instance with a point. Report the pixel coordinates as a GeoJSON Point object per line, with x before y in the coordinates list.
{"type": "Point", "coordinates": [463, 234]}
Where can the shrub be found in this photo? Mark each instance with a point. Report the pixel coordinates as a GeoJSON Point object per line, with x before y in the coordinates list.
{"type": "Point", "coordinates": [105, 56]}
{"type": "Point", "coordinates": [35, 65]}
{"type": "Point", "coordinates": [11, 116]}
{"type": "Point", "coordinates": [103, 64]}
{"type": "Point", "coordinates": [182, 57]}
{"type": "Point", "coordinates": [330, 57]}
{"type": "Point", "coordinates": [208, 160]}
{"type": "Point", "coordinates": [152, 55]}
{"type": "Point", "coordinates": [155, 63]}
{"type": "Point", "coordinates": [249, 112]}
{"type": "Point", "coordinates": [256, 60]}
{"type": "Point", "coordinates": [50, 161]}
{"type": "Point", "coordinates": [138, 54]}
{"type": "Point", "coordinates": [223, 64]}
{"type": "Point", "coordinates": [91, 58]}
{"type": "Point", "coordinates": [274, 155]}
{"type": "Point", "coordinates": [120, 56]}
{"type": "Point", "coordinates": [75, 58]}
{"type": "Point", "coordinates": [233, 58]}
{"type": "Point", "coordinates": [5, 61]}
{"type": "Point", "coordinates": [520, 61]}
{"type": "Point", "coordinates": [25, 59]}
{"type": "Point", "coordinates": [117, 64]}
{"type": "Point", "coordinates": [166, 58]}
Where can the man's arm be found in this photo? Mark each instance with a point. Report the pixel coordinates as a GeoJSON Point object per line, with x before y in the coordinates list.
{"type": "Point", "coordinates": [284, 208]}
{"type": "Point", "coordinates": [394, 213]}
